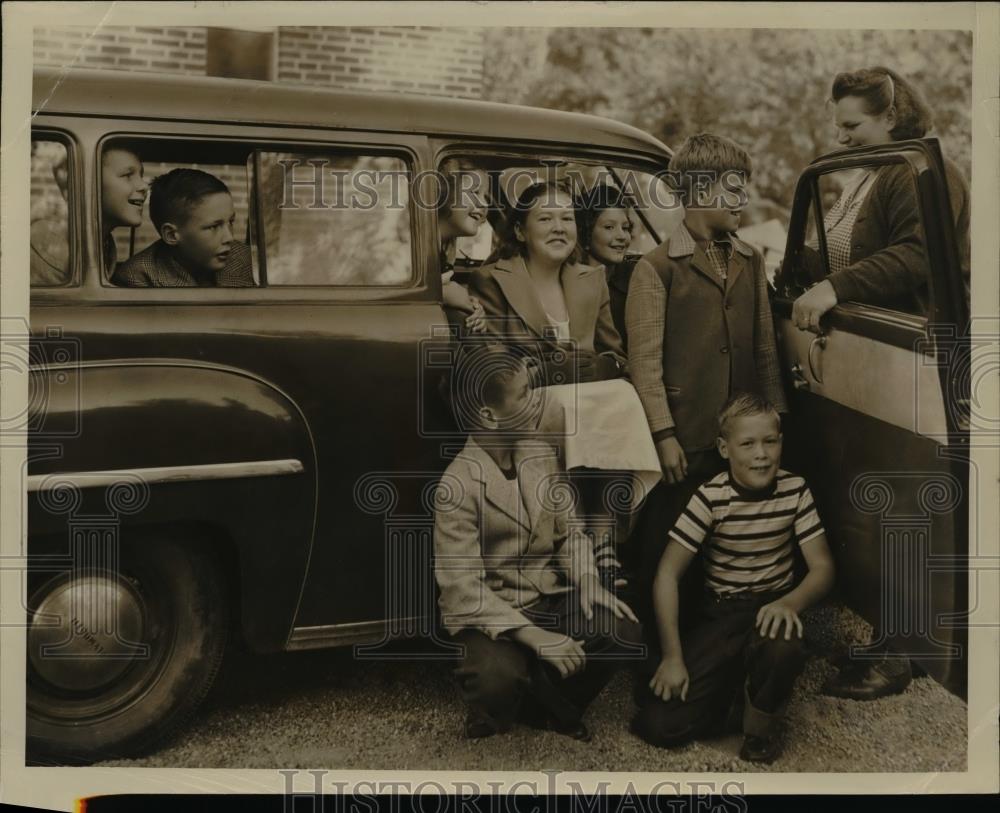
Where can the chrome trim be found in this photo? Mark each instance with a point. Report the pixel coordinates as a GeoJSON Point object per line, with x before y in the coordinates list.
{"type": "Point", "coordinates": [331, 635]}
{"type": "Point", "coordinates": [166, 474]}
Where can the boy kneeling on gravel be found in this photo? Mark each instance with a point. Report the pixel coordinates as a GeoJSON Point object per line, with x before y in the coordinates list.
{"type": "Point", "coordinates": [746, 648]}
{"type": "Point", "coordinates": [518, 585]}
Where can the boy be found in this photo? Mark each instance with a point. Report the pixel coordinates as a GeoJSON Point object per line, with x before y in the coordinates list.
{"type": "Point", "coordinates": [518, 586]}
{"type": "Point", "coordinates": [699, 326]}
{"type": "Point", "coordinates": [193, 214]}
{"type": "Point", "coordinates": [747, 645]}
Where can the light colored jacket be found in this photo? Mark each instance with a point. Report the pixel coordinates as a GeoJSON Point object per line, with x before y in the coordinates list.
{"type": "Point", "coordinates": [498, 549]}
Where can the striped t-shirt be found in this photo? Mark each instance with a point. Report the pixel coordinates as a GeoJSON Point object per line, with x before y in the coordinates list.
{"type": "Point", "coordinates": [746, 537]}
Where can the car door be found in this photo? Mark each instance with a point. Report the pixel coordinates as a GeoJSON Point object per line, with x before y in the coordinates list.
{"type": "Point", "coordinates": [878, 418]}
{"type": "Point", "coordinates": [343, 297]}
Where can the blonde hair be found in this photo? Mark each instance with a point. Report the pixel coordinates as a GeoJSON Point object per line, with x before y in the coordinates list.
{"type": "Point", "coordinates": [744, 405]}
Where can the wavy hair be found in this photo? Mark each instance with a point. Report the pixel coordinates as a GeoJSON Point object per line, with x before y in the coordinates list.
{"type": "Point", "coordinates": [882, 89]}
{"type": "Point", "coordinates": [517, 214]}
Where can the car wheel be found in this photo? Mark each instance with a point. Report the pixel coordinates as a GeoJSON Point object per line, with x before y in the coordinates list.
{"type": "Point", "coordinates": [118, 660]}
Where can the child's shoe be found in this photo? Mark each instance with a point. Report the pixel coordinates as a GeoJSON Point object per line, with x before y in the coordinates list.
{"type": "Point", "coordinates": [760, 749]}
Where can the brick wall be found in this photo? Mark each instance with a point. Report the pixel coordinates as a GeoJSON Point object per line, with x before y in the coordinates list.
{"type": "Point", "coordinates": [163, 50]}
{"type": "Point", "coordinates": [441, 61]}
{"type": "Point", "coordinates": [445, 61]}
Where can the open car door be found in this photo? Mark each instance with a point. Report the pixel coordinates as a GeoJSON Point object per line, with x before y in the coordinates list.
{"type": "Point", "coordinates": [879, 419]}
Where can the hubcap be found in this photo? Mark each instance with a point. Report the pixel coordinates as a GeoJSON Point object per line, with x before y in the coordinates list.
{"type": "Point", "coordinates": [86, 632]}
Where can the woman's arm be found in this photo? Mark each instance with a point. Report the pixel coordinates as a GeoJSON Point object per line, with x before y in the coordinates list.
{"type": "Point", "coordinates": [958, 193]}
{"type": "Point", "coordinates": [900, 266]}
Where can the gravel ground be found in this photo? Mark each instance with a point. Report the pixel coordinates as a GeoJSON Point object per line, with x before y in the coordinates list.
{"type": "Point", "coordinates": [326, 710]}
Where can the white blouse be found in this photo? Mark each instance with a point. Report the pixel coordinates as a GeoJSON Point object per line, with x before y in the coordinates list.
{"type": "Point", "coordinates": [561, 328]}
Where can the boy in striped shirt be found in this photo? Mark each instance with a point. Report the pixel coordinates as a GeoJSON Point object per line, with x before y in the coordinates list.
{"type": "Point", "coordinates": [746, 648]}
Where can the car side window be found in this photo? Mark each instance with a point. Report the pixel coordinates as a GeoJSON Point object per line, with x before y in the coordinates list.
{"type": "Point", "coordinates": [233, 176]}
{"type": "Point", "coordinates": [49, 203]}
{"type": "Point", "coordinates": [334, 219]}
{"type": "Point", "coordinates": [657, 211]}
{"type": "Point", "coordinates": [190, 184]}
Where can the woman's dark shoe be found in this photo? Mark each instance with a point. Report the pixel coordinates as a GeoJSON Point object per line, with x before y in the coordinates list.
{"type": "Point", "coordinates": [576, 730]}
{"type": "Point", "coordinates": [476, 729]}
{"type": "Point", "coordinates": [871, 680]}
{"type": "Point", "coordinates": [760, 749]}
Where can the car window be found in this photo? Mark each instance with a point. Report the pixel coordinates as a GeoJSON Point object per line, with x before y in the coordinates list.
{"type": "Point", "coordinates": [334, 219]}
{"type": "Point", "coordinates": [126, 199]}
{"type": "Point", "coordinates": [49, 205]}
{"type": "Point", "coordinates": [657, 212]}
{"type": "Point", "coordinates": [234, 176]}
{"type": "Point", "coordinates": [658, 207]}
{"type": "Point", "coordinates": [656, 215]}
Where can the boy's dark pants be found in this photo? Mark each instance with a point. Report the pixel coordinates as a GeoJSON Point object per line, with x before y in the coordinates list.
{"type": "Point", "coordinates": [729, 665]}
{"type": "Point", "coordinates": [659, 512]}
{"type": "Point", "coordinates": [500, 679]}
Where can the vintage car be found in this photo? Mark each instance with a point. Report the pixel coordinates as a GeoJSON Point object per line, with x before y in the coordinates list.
{"type": "Point", "coordinates": [212, 467]}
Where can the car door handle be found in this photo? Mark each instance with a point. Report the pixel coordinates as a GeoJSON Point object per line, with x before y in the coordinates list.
{"type": "Point", "coordinates": [799, 381]}
{"type": "Point", "coordinates": [819, 341]}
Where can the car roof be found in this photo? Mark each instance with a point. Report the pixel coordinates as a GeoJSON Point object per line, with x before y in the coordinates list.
{"type": "Point", "coordinates": [210, 100]}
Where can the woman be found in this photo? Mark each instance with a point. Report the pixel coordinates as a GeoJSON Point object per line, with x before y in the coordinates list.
{"type": "Point", "coordinates": [540, 297]}
{"type": "Point", "coordinates": [605, 235]}
{"type": "Point", "coordinates": [877, 256]}
{"type": "Point", "coordinates": [873, 232]}
{"type": "Point", "coordinates": [461, 212]}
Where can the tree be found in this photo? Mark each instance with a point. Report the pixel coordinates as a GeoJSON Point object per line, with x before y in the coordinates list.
{"type": "Point", "coordinates": [765, 88]}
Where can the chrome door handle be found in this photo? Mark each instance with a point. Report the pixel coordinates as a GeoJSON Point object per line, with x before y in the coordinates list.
{"type": "Point", "coordinates": [819, 341]}
{"type": "Point", "coordinates": [799, 381]}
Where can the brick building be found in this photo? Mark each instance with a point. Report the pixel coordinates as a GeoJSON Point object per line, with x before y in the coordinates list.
{"type": "Point", "coordinates": [434, 60]}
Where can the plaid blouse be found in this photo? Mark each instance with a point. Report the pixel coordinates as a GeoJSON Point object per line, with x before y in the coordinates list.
{"type": "Point", "coordinates": [839, 221]}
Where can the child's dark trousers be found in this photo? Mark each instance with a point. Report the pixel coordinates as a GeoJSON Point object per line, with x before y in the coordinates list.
{"type": "Point", "coordinates": [502, 681]}
{"type": "Point", "coordinates": [729, 666]}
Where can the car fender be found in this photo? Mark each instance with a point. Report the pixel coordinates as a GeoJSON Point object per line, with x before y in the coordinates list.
{"type": "Point", "coordinates": [177, 446]}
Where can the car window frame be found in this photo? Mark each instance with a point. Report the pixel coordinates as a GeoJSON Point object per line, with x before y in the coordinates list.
{"type": "Point", "coordinates": [807, 201]}
{"type": "Point", "coordinates": [938, 336]}
{"type": "Point", "coordinates": [74, 206]}
{"type": "Point", "coordinates": [253, 137]}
